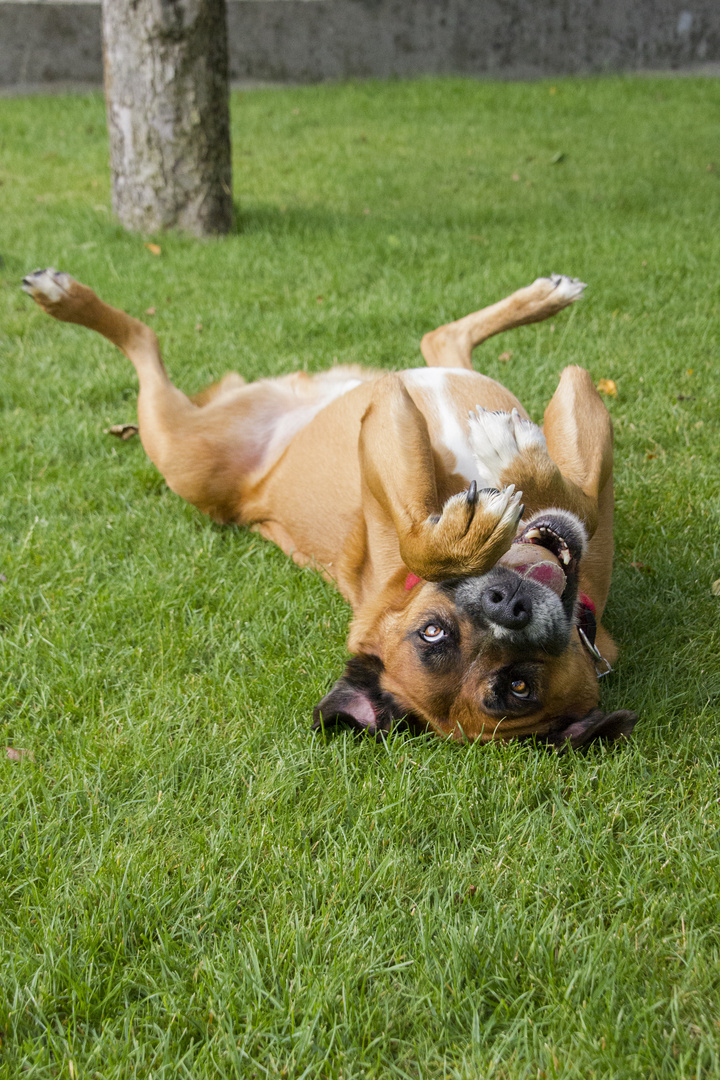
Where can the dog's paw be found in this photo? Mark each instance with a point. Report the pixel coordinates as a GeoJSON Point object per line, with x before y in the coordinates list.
{"type": "Point", "coordinates": [475, 528]}
{"type": "Point", "coordinates": [47, 286]}
{"type": "Point", "coordinates": [57, 293]}
{"type": "Point", "coordinates": [559, 289]}
{"type": "Point", "coordinates": [567, 288]}
{"type": "Point", "coordinates": [497, 438]}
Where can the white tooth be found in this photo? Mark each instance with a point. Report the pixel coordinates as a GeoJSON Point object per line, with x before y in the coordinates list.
{"type": "Point", "coordinates": [532, 534]}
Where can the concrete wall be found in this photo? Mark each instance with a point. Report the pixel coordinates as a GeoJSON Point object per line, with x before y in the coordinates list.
{"type": "Point", "coordinates": [312, 40]}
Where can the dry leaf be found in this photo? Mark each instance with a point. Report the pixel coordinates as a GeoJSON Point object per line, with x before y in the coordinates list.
{"type": "Point", "coordinates": [122, 431]}
{"type": "Point", "coordinates": [642, 567]}
{"type": "Point", "coordinates": [319, 299]}
{"type": "Point", "coordinates": [198, 326]}
{"type": "Point", "coordinates": [607, 386]}
{"type": "Point", "coordinates": [515, 176]}
{"type": "Point", "coordinates": [150, 310]}
{"type": "Point", "coordinates": [14, 753]}
{"type": "Point", "coordinates": [505, 356]}
{"type": "Point", "coordinates": [715, 587]}
{"type": "Point", "coordinates": [154, 249]}
{"type": "Point", "coordinates": [552, 90]}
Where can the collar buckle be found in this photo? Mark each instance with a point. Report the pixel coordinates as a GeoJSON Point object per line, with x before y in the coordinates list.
{"type": "Point", "coordinates": [602, 666]}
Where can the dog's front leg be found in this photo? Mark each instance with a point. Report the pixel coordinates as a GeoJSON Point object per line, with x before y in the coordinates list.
{"type": "Point", "coordinates": [401, 505]}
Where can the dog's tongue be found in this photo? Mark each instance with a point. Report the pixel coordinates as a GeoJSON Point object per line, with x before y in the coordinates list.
{"type": "Point", "coordinates": [534, 562]}
{"type": "Point", "coordinates": [547, 573]}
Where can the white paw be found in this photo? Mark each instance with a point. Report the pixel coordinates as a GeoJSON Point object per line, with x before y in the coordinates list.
{"type": "Point", "coordinates": [506, 505]}
{"type": "Point", "coordinates": [51, 285]}
{"type": "Point", "coordinates": [496, 438]}
{"type": "Point", "coordinates": [565, 288]}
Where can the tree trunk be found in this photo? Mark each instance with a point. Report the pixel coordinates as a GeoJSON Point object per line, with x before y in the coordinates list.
{"type": "Point", "coordinates": [166, 92]}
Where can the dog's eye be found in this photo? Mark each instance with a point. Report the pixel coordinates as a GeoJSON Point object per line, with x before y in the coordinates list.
{"type": "Point", "coordinates": [520, 688]}
{"type": "Point", "coordinates": [433, 633]}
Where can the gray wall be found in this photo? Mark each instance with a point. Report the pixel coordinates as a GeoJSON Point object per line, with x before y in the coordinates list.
{"type": "Point", "coordinates": [312, 40]}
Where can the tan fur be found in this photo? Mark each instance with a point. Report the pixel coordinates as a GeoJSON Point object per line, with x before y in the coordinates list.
{"type": "Point", "coordinates": [347, 470]}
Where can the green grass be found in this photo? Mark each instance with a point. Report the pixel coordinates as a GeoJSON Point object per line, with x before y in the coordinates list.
{"type": "Point", "coordinates": [191, 885]}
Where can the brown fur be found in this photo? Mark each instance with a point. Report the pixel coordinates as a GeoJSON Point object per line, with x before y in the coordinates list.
{"type": "Point", "coordinates": [356, 482]}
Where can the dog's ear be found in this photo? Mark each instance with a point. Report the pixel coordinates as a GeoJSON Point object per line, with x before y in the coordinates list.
{"type": "Point", "coordinates": [358, 700]}
{"type": "Point", "coordinates": [596, 725]}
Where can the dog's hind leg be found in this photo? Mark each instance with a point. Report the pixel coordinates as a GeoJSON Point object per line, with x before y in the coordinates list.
{"type": "Point", "coordinates": [197, 450]}
{"type": "Point", "coordinates": [452, 345]}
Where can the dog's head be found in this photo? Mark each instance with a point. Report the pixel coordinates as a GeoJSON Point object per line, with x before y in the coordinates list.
{"type": "Point", "coordinates": [494, 656]}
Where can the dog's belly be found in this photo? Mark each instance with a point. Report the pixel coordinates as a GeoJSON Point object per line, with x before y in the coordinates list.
{"type": "Point", "coordinates": [312, 496]}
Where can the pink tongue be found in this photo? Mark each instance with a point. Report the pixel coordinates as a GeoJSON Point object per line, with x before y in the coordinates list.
{"type": "Point", "coordinates": [546, 573]}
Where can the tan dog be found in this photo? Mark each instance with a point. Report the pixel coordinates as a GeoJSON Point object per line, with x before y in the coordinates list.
{"type": "Point", "coordinates": [474, 615]}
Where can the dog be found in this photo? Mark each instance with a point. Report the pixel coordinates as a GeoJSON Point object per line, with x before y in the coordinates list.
{"type": "Point", "coordinates": [474, 548]}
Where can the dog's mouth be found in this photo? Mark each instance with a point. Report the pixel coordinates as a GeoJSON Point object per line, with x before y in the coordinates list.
{"type": "Point", "coordinates": [548, 550]}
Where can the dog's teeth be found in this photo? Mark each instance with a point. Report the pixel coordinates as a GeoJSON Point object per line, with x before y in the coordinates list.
{"type": "Point", "coordinates": [532, 534]}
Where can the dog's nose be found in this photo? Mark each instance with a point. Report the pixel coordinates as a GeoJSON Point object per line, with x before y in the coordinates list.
{"type": "Point", "coordinates": [507, 604]}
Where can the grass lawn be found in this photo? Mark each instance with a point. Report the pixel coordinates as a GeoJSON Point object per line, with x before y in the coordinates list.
{"type": "Point", "coordinates": [191, 885]}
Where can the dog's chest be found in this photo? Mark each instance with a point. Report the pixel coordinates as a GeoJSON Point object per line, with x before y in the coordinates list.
{"type": "Point", "coordinates": [445, 396]}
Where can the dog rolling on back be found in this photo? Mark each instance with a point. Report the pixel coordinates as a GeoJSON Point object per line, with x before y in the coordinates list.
{"type": "Point", "coordinates": [474, 547]}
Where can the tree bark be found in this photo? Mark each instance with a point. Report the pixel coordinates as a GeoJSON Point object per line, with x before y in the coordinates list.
{"type": "Point", "coordinates": [166, 92]}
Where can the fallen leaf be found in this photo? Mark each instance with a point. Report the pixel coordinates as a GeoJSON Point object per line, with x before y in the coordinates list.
{"type": "Point", "coordinates": [552, 90]}
{"type": "Point", "coordinates": [642, 567]}
{"type": "Point", "coordinates": [122, 431]}
{"type": "Point", "coordinates": [505, 356]}
{"type": "Point", "coordinates": [319, 299]}
{"type": "Point", "coordinates": [366, 210]}
{"type": "Point", "coordinates": [715, 587]}
{"type": "Point", "coordinates": [650, 457]}
{"type": "Point", "coordinates": [154, 249]}
{"type": "Point", "coordinates": [515, 176]}
{"type": "Point", "coordinates": [711, 167]}
{"type": "Point", "coordinates": [14, 753]}
{"type": "Point", "coordinates": [644, 262]}
{"type": "Point", "coordinates": [689, 371]}
{"type": "Point", "coordinates": [150, 310]}
{"type": "Point", "coordinates": [198, 326]}
{"type": "Point", "coordinates": [607, 386]}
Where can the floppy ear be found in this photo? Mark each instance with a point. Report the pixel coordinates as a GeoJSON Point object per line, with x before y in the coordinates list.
{"type": "Point", "coordinates": [596, 725]}
{"type": "Point", "coordinates": [358, 700]}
